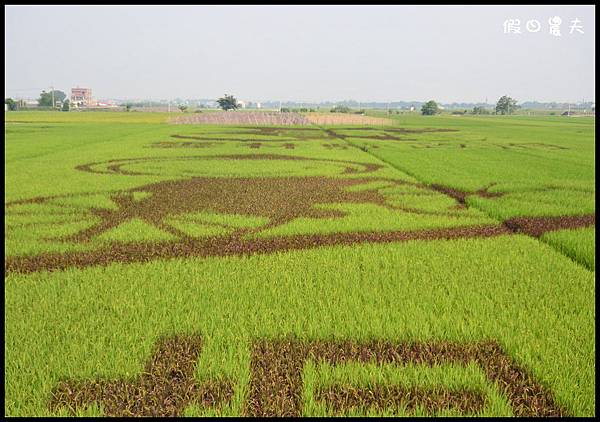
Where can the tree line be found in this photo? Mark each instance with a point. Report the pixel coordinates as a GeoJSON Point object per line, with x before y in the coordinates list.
{"type": "Point", "coordinates": [505, 105]}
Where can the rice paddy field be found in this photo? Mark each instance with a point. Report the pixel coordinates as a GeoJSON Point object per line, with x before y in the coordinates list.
{"type": "Point", "coordinates": [418, 266]}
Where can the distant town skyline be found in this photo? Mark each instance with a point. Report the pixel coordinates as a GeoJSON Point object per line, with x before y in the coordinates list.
{"type": "Point", "coordinates": [311, 54]}
{"type": "Point", "coordinates": [297, 103]}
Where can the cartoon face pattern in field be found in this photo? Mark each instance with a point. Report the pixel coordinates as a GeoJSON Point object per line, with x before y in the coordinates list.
{"type": "Point", "coordinates": [199, 191]}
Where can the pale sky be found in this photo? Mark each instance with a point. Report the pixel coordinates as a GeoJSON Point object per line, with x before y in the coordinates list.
{"type": "Point", "coordinates": [303, 53]}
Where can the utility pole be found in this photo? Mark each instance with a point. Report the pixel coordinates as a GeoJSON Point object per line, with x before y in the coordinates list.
{"type": "Point", "coordinates": [53, 103]}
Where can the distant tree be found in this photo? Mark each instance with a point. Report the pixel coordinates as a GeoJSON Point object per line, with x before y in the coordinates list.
{"type": "Point", "coordinates": [45, 99]}
{"type": "Point", "coordinates": [59, 95]}
{"type": "Point", "coordinates": [12, 104]}
{"type": "Point", "coordinates": [340, 109]}
{"type": "Point", "coordinates": [480, 110]}
{"type": "Point", "coordinates": [228, 102]}
{"type": "Point", "coordinates": [430, 108]}
{"type": "Point", "coordinates": [66, 106]}
{"type": "Point", "coordinates": [183, 108]}
{"type": "Point", "coordinates": [128, 107]}
{"type": "Point", "coordinates": [506, 105]}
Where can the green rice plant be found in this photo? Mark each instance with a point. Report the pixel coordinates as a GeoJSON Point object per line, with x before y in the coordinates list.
{"type": "Point", "coordinates": [579, 244]}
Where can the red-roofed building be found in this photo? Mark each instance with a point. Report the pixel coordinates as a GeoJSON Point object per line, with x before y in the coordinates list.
{"type": "Point", "coordinates": [81, 97]}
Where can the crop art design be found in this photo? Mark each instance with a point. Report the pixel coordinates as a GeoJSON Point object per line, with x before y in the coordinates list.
{"type": "Point", "coordinates": [165, 388]}
{"type": "Point", "coordinates": [276, 381]}
{"type": "Point", "coordinates": [167, 385]}
{"type": "Point", "coordinates": [267, 200]}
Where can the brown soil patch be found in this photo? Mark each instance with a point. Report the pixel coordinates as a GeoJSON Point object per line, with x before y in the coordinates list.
{"type": "Point", "coordinates": [258, 145]}
{"type": "Point", "coordinates": [537, 226]}
{"type": "Point", "coordinates": [400, 130]}
{"type": "Point", "coordinates": [331, 146]}
{"type": "Point", "coordinates": [334, 133]}
{"type": "Point", "coordinates": [165, 388]}
{"type": "Point", "coordinates": [389, 134]}
{"type": "Point", "coordinates": [460, 196]}
{"type": "Point", "coordinates": [302, 134]}
{"type": "Point", "coordinates": [386, 137]}
{"type": "Point", "coordinates": [315, 133]}
{"type": "Point", "coordinates": [342, 398]}
{"type": "Point", "coordinates": [273, 130]}
{"type": "Point", "coordinates": [209, 138]}
{"type": "Point", "coordinates": [167, 385]}
{"type": "Point", "coordinates": [229, 246]}
{"type": "Point", "coordinates": [276, 374]}
{"type": "Point", "coordinates": [279, 199]}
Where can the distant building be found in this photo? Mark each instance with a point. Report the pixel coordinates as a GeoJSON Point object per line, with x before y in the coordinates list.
{"type": "Point", "coordinates": [81, 97]}
{"type": "Point", "coordinates": [27, 103]}
{"type": "Point", "coordinates": [106, 104]}
{"type": "Point", "coordinates": [241, 104]}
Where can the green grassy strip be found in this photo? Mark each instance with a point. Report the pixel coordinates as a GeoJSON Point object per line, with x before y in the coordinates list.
{"type": "Point", "coordinates": [580, 245]}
